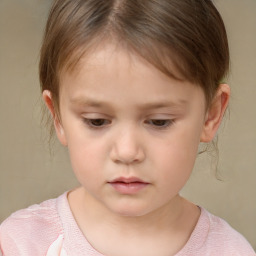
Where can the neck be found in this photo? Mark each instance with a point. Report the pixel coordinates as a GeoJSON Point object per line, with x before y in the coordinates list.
{"type": "Point", "coordinates": [92, 211]}
{"type": "Point", "coordinates": [171, 224]}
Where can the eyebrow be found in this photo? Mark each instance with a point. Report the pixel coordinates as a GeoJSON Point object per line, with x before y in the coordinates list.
{"type": "Point", "coordinates": [87, 102]}
{"type": "Point", "coordinates": [164, 104]}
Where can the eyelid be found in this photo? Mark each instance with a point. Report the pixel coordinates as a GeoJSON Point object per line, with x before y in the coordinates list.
{"type": "Point", "coordinates": [169, 122]}
{"type": "Point", "coordinates": [88, 122]}
{"type": "Point", "coordinates": [94, 115]}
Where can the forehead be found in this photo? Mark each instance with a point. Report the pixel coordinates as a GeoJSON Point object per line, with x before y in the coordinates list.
{"type": "Point", "coordinates": [99, 52]}
{"type": "Point", "coordinates": [112, 72]}
{"type": "Point", "coordinates": [114, 58]}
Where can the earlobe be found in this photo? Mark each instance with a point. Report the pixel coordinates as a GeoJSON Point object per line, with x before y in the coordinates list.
{"type": "Point", "coordinates": [215, 113]}
{"type": "Point", "coordinates": [47, 97]}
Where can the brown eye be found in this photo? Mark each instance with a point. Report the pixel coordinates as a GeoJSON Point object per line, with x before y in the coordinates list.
{"type": "Point", "coordinates": [96, 123]}
{"type": "Point", "coordinates": [160, 123]}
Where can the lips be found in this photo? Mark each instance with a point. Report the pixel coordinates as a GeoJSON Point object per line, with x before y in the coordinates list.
{"type": "Point", "coordinates": [129, 186]}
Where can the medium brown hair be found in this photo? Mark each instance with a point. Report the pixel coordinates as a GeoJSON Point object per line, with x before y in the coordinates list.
{"type": "Point", "coordinates": [188, 33]}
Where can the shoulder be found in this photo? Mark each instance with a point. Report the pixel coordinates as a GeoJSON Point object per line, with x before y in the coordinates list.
{"type": "Point", "coordinates": [20, 233]}
{"type": "Point", "coordinates": [223, 238]}
{"type": "Point", "coordinates": [214, 236]}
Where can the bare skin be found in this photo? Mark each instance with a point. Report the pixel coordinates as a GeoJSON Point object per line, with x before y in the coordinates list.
{"type": "Point", "coordinates": [133, 136]}
{"type": "Point", "coordinates": [160, 233]}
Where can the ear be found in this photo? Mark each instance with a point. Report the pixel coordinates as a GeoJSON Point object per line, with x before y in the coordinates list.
{"type": "Point", "coordinates": [47, 97]}
{"type": "Point", "coordinates": [215, 113]}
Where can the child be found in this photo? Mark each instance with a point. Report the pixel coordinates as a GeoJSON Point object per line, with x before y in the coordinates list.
{"type": "Point", "coordinates": [133, 87]}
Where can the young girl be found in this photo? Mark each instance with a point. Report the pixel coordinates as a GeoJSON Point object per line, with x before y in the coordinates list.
{"type": "Point", "coordinates": [133, 87]}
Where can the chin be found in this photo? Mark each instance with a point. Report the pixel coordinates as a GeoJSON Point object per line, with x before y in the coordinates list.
{"type": "Point", "coordinates": [130, 211]}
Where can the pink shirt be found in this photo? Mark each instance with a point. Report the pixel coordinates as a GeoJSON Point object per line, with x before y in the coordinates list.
{"type": "Point", "coordinates": [50, 229]}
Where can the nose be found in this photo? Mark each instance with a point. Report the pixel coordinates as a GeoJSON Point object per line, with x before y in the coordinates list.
{"type": "Point", "coordinates": [127, 147]}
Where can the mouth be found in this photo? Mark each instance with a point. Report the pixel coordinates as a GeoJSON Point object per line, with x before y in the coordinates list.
{"type": "Point", "coordinates": [128, 186]}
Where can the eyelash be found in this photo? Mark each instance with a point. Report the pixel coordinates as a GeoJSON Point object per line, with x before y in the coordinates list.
{"type": "Point", "coordinates": [89, 122]}
{"type": "Point", "coordinates": [167, 123]}
{"type": "Point", "coordinates": [164, 123]}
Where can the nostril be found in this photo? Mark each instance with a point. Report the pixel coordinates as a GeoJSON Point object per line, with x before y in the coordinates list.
{"type": "Point", "coordinates": [127, 148]}
{"type": "Point", "coordinates": [127, 157]}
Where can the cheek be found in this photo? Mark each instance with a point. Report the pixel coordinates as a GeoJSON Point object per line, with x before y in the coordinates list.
{"type": "Point", "coordinates": [176, 169]}
{"type": "Point", "coordinates": [177, 156]}
{"type": "Point", "coordinates": [87, 158]}
{"type": "Point", "coordinates": [83, 148]}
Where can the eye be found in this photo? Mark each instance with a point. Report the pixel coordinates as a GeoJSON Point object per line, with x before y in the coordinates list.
{"type": "Point", "coordinates": [160, 123]}
{"type": "Point", "coordinates": [96, 123]}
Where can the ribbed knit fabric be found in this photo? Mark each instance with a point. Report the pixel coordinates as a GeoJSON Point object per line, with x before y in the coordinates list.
{"type": "Point", "coordinates": [49, 229]}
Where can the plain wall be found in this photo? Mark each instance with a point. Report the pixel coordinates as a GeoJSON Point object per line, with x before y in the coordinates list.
{"type": "Point", "coordinates": [30, 174]}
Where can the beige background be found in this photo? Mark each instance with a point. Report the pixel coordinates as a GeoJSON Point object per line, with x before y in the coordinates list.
{"type": "Point", "coordinates": [29, 174]}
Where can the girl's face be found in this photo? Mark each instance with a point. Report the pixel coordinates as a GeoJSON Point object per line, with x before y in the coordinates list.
{"type": "Point", "coordinates": [131, 131]}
